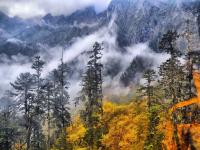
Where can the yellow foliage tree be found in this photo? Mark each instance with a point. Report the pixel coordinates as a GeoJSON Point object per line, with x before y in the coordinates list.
{"type": "Point", "coordinates": [18, 146]}
{"type": "Point", "coordinates": [125, 125]}
{"type": "Point", "coordinates": [76, 133]}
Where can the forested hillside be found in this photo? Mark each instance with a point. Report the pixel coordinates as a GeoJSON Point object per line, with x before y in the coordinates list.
{"type": "Point", "coordinates": [125, 78]}
{"type": "Point", "coordinates": [164, 114]}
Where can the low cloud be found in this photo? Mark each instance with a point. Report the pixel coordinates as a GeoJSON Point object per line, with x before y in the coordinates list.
{"type": "Point", "coordinates": [11, 68]}
{"type": "Point", "coordinates": [34, 8]}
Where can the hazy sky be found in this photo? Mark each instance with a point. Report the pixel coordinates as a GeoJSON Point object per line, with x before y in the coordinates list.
{"type": "Point", "coordinates": [33, 8]}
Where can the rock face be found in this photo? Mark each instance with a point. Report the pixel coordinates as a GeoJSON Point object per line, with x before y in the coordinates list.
{"type": "Point", "coordinates": [136, 22]}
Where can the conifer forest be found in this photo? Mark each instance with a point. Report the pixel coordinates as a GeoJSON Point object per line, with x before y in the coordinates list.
{"type": "Point", "coordinates": [99, 75]}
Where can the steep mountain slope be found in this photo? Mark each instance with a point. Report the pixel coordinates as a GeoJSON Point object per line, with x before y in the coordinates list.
{"type": "Point", "coordinates": [137, 21]}
{"type": "Point", "coordinates": [122, 25]}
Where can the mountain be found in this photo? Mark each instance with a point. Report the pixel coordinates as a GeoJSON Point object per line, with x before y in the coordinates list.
{"type": "Point", "coordinates": [60, 30]}
{"type": "Point", "coordinates": [136, 22]}
{"type": "Point", "coordinates": [125, 23]}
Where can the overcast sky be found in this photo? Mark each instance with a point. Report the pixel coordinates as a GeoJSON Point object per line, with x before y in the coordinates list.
{"type": "Point", "coordinates": [34, 8]}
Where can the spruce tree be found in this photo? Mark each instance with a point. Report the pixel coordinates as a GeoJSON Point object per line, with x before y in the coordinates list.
{"type": "Point", "coordinates": [189, 91]}
{"type": "Point", "coordinates": [147, 89]}
{"type": "Point", "coordinates": [8, 128]}
{"type": "Point", "coordinates": [23, 87]}
{"type": "Point", "coordinates": [154, 137]}
{"type": "Point", "coordinates": [172, 75]}
{"type": "Point", "coordinates": [171, 71]}
{"type": "Point", "coordinates": [38, 142]}
{"type": "Point", "coordinates": [60, 110]}
{"type": "Point", "coordinates": [168, 43]}
{"type": "Point", "coordinates": [92, 89]}
{"type": "Point", "coordinates": [49, 89]}
{"type": "Point", "coordinates": [38, 65]}
{"type": "Point", "coordinates": [190, 57]}
{"type": "Point", "coordinates": [61, 97]}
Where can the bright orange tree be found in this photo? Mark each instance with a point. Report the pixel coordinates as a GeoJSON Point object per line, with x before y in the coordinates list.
{"type": "Point", "coordinates": [191, 130]}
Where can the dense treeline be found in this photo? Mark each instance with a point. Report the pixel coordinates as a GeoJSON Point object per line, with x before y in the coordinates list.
{"type": "Point", "coordinates": [39, 103]}
{"type": "Point", "coordinates": [39, 117]}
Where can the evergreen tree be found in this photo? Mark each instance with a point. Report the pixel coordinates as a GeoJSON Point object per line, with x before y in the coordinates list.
{"type": "Point", "coordinates": [171, 71]}
{"type": "Point", "coordinates": [148, 89]}
{"type": "Point", "coordinates": [37, 139]}
{"type": "Point", "coordinates": [168, 43]}
{"type": "Point", "coordinates": [8, 129]}
{"type": "Point", "coordinates": [189, 63]}
{"type": "Point", "coordinates": [189, 91]}
{"type": "Point", "coordinates": [172, 75]}
{"type": "Point", "coordinates": [61, 113]}
{"type": "Point", "coordinates": [25, 99]}
{"type": "Point", "coordinates": [38, 65]}
{"type": "Point", "coordinates": [60, 110]}
{"type": "Point", "coordinates": [49, 88]}
{"type": "Point", "coordinates": [154, 137]}
{"type": "Point", "coordinates": [92, 89]}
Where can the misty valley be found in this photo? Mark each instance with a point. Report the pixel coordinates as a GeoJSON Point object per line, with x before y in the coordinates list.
{"type": "Point", "coordinates": [100, 75]}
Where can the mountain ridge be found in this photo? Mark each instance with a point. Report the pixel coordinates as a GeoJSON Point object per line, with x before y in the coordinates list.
{"type": "Point", "coordinates": [132, 24]}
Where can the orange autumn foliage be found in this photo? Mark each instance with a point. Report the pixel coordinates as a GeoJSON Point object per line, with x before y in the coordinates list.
{"type": "Point", "coordinates": [183, 133]}
{"type": "Point", "coordinates": [184, 130]}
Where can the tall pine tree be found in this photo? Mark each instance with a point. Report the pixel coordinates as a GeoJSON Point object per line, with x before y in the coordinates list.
{"type": "Point", "coordinates": [171, 71]}
{"type": "Point", "coordinates": [92, 89]}
{"type": "Point", "coordinates": [24, 94]}
{"type": "Point", "coordinates": [172, 75]}
{"type": "Point", "coordinates": [147, 89]}
{"type": "Point", "coordinates": [60, 110]}
{"type": "Point", "coordinates": [37, 139]}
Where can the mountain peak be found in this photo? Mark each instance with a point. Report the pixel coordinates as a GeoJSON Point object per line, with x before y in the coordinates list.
{"type": "Point", "coordinates": [86, 14]}
{"type": "Point", "coordinates": [3, 15]}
